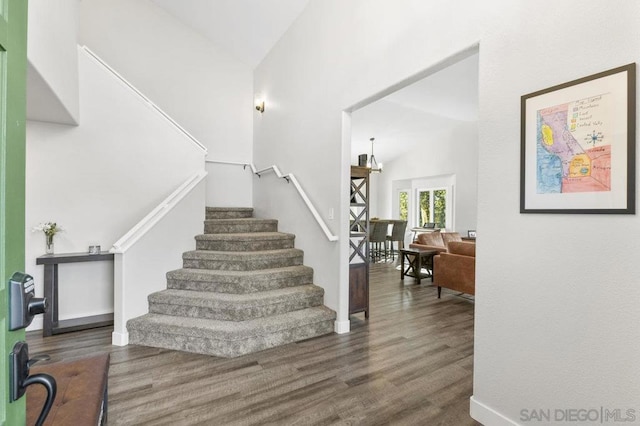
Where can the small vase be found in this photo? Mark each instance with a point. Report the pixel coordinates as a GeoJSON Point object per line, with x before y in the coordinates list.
{"type": "Point", "coordinates": [49, 247]}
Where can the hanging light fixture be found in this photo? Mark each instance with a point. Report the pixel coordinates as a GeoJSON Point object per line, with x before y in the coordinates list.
{"type": "Point", "coordinates": [372, 164]}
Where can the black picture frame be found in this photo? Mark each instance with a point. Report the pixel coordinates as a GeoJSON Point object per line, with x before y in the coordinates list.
{"type": "Point", "coordinates": [577, 151]}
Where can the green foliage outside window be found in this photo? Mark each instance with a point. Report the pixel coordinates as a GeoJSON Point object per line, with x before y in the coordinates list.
{"type": "Point", "coordinates": [433, 207]}
{"type": "Point", "coordinates": [425, 207]}
{"type": "Point", "coordinates": [440, 207]}
{"type": "Point", "coordinates": [404, 205]}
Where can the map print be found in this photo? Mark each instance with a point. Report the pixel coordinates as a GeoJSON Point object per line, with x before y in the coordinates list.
{"type": "Point", "coordinates": [573, 147]}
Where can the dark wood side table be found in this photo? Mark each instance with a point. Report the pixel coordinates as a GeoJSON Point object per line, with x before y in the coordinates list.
{"type": "Point", "coordinates": [417, 259]}
{"type": "Point", "coordinates": [51, 323]}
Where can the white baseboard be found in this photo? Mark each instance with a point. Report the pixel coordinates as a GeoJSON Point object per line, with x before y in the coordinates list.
{"type": "Point", "coordinates": [487, 415]}
{"type": "Point", "coordinates": [342, 327]}
{"type": "Point", "coordinates": [119, 339]}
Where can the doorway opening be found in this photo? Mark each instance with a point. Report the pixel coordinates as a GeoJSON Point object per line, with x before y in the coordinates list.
{"type": "Point", "coordinates": [426, 135]}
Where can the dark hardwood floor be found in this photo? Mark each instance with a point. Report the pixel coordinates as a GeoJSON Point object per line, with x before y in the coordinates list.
{"type": "Point", "coordinates": [411, 363]}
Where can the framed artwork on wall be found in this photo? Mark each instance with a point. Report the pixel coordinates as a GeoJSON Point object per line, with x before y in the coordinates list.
{"type": "Point", "coordinates": [577, 151]}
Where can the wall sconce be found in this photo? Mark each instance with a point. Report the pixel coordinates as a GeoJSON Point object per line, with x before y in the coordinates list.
{"type": "Point", "coordinates": [259, 101]}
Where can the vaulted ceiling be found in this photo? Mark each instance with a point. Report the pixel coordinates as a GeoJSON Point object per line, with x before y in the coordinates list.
{"type": "Point", "coordinates": [404, 120]}
{"type": "Point", "coordinates": [248, 29]}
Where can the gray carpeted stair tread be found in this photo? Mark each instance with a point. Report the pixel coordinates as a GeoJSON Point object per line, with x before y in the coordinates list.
{"type": "Point", "coordinates": [228, 212]}
{"type": "Point", "coordinates": [250, 241]}
{"type": "Point", "coordinates": [235, 307]}
{"type": "Point", "coordinates": [229, 209]}
{"type": "Point", "coordinates": [214, 254]}
{"type": "Point", "coordinates": [242, 255]}
{"type": "Point", "coordinates": [243, 261]}
{"type": "Point", "coordinates": [231, 330]}
{"type": "Point", "coordinates": [226, 338]}
{"type": "Point", "coordinates": [236, 276]}
{"type": "Point", "coordinates": [207, 298]}
{"type": "Point", "coordinates": [240, 225]}
{"type": "Point", "coordinates": [247, 236]}
{"type": "Point", "coordinates": [239, 281]}
{"type": "Point", "coordinates": [241, 220]}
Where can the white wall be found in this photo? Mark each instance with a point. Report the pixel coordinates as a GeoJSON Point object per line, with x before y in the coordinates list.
{"type": "Point", "coordinates": [142, 265]}
{"type": "Point", "coordinates": [555, 303]}
{"type": "Point", "coordinates": [52, 76]}
{"type": "Point", "coordinates": [99, 179]}
{"type": "Point", "coordinates": [336, 55]}
{"type": "Point", "coordinates": [206, 90]}
{"type": "Point", "coordinates": [451, 150]}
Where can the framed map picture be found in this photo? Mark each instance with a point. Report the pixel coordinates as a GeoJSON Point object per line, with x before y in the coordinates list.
{"type": "Point", "coordinates": [578, 146]}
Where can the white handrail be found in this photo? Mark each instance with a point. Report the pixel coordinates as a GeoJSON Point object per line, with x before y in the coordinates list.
{"type": "Point", "coordinates": [144, 98]}
{"type": "Point", "coordinates": [141, 228]}
{"type": "Point", "coordinates": [289, 177]}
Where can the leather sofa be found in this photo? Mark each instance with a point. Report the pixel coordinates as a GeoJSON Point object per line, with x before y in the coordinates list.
{"type": "Point", "coordinates": [455, 269]}
{"type": "Point", "coordinates": [435, 240]}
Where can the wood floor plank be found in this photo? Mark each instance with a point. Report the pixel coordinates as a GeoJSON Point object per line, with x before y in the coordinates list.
{"type": "Point", "coordinates": [410, 363]}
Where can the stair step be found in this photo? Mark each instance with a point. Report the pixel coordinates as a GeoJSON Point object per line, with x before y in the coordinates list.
{"type": "Point", "coordinates": [252, 241]}
{"type": "Point", "coordinates": [242, 261]}
{"type": "Point", "coordinates": [229, 338]}
{"type": "Point", "coordinates": [243, 289]}
{"type": "Point", "coordinates": [227, 226]}
{"type": "Point", "coordinates": [234, 307]}
{"type": "Point", "coordinates": [228, 212]}
{"type": "Point", "coordinates": [239, 281]}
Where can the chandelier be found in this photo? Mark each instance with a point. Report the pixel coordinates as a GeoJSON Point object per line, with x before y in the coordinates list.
{"type": "Point", "coordinates": [372, 164]}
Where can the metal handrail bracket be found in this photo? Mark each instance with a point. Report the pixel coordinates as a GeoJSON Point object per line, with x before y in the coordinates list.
{"type": "Point", "coordinates": [290, 178]}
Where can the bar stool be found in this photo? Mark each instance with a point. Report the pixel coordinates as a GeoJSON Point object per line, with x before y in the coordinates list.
{"type": "Point", "coordinates": [377, 236]}
{"type": "Point", "coordinates": [397, 234]}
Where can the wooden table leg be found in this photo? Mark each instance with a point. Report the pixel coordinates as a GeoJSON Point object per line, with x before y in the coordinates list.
{"type": "Point", "coordinates": [402, 255]}
{"type": "Point", "coordinates": [51, 294]}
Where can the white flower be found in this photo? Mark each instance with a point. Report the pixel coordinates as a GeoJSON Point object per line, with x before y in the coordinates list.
{"type": "Point", "coordinates": [49, 228]}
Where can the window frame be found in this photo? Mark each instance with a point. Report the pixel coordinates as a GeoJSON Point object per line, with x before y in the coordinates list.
{"type": "Point", "coordinates": [448, 212]}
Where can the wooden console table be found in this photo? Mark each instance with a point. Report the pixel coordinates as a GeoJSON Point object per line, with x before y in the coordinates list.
{"type": "Point", "coordinates": [51, 323]}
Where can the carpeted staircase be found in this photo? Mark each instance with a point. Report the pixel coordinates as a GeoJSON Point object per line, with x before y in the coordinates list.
{"type": "Point", "coordinates": [243, 289]}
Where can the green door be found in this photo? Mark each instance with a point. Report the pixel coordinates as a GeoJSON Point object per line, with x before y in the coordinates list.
{"type": "Point", "coordinates": [13, 75]}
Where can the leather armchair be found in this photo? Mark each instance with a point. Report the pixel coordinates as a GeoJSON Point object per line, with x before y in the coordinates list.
{"type": "Point", "coordinates": [456, 268]}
